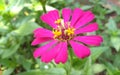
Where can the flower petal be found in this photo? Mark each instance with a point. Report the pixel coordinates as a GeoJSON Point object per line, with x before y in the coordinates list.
{"type": "Point", "coordinates": [77, 13]}
{"type": "Point", "coordinates": [63, 54]}
{"type": "Point", "coordinates": [42, 32]}
{"type": "Point", "coordinates": [66, 12]}
{"type": "Point", "coordinates": [51, 53]}
{"type": "Point", "coordinates": [50, 18]}
{"type": "Point", "coordinates": [80, 50]}
{"type": "Point", "coordinates": [87, 17]}
{"type": "Point", "coordinates": [41, 50]}
{"type": "Point", "coordinates": [40, 40]}
{"type": "Point", "coordinates": [90, 40]}
{"type": "Point", "coordinates": [89, 28]}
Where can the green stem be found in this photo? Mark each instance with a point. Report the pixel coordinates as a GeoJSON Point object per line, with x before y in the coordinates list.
{"type": "Point", "coordinates": [71, 59]}
{"type": "Point", "coordinates": [44, 8]}
{"type": "Point", "coordinates": [43, 2]}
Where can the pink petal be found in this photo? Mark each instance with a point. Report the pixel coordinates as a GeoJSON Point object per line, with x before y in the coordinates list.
{"type": "Point", "coordinates": [42, 32]}
{"type": "Point", "coordinates": [87, 17]}
{"type": "Point", "coordinates": [77, 13]}
{"type": "Point", "coordinates": [41, 50]}
{"type": "Point", "coordinates": [80, 50]}
{"type": "Point", "coordinates": [54, 14]}
{"type": "Point", "coordinates": [40, 40]}
{"type": "Point", "coordinates": [66, 12]}
{"type": "Point", "coordinates": [89, 28]}
{"type": "Point", "coordinates": [50, 18]}
{"type": "Point", "coordinates": [90, 40]}
{"type": "Point", "coordinates": [51, 53]}
{"type": "Point", "coordinates": [63, 54]}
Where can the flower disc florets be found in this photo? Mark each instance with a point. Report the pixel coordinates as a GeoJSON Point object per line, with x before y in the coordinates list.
{"type": "Point", "coordinates": [63, 33]}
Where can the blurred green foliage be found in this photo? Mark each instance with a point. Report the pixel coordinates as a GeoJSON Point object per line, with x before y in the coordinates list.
{"type": "Point", "coordinates": [18, 19]}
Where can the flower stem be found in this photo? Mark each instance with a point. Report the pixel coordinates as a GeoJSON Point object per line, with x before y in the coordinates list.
{"type": "Point", "coordinates": [44, 8]}
{"type": "Point", "coordinates": [71, 59]}
{"type": "Point", "coordinates": [43, 3]}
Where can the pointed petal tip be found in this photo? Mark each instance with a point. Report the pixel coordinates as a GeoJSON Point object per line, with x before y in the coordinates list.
{"type": "Point", "coordinates": [87, 55]}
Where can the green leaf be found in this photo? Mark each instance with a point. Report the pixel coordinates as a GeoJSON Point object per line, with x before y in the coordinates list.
{"type": "Point", "coordinates": [8, 71]}
{"type": "Point", "coordinates": [7, 63]}
{"type": "Point", "coordinates": [116, 60]}
{"type": "Point", "coordinates": [26, 28]}
{"type": "Point", "coordinates": [78, 63]}
{"type": "Point", "coordinates": [117, 73]}
{"type": "Point", "coordinates": [115, 42]}
{"type": "Point", "coordinates": [25, 62]}
{"type": "Point", "coordinates": [97, 51]}
{"type": "Point", "coordinates": [88, 67]}
{"type": "Point", "coordinates": [86, 7]}
{"type": "Point", "coordinates": [8, 52]}
{"type": "Point", "coordinates": [16, 6]}
{"type": "Point", "coordinates": [111, 25]}
{"type": "Point", "coordinates": [76, 72]}
{"type": "Point", "coordinates": [97, 68]}
{"type": "Point", "coordinates": [110, 68]}
{"type": "Point", "coordinates": [3, 40]}
{"type": "Point", "coordinates": [3, 28]}
{"type": "Point", "coordinates": [53, 71]}
{"type": "Point", "coordinates": [116, 8]}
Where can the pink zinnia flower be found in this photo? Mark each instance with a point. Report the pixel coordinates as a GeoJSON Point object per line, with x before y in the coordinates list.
{"type": "Point", "coordinates": [66, 31]}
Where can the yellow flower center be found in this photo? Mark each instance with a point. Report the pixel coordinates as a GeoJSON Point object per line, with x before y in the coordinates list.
{"type": "Point", "coordinates": [69, 31]}
{"type": "Point", "coordinates": [63, 32]}
{"type": "Point", "coordinates": [57, 33]}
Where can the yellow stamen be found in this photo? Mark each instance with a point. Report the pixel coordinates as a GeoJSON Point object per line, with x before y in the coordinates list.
{"type": "Point", "coordinates": [56, 33]}
{"type": "Point", "coordinates": [70, 31]}
{"type": "Point", "coordinates": [58, 21]}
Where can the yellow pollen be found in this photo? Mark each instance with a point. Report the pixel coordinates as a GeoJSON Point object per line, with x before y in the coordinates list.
{"type": "Point", "coordinates": [70, 31]}
{"type": "Point", "coordinates": [58, 21]}
{"type": "Point", "coordinates": [56, 33]}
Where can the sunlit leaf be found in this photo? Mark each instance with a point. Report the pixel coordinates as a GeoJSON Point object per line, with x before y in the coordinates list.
{"type": "Point", "coordinates": [3, 28]}
{"type": "Point", "coordinates": [116, 42]}
{"type": "Point", "coordinates": [16, 6]}
{"type": "Point", "coordinates": [27, 28]}
{"type": "Point", "coordinates": [8, 71]}
{"type": "Point", "coordinates": [97, 68]}
{"type": "Point", "coordinates": [2, 5]}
